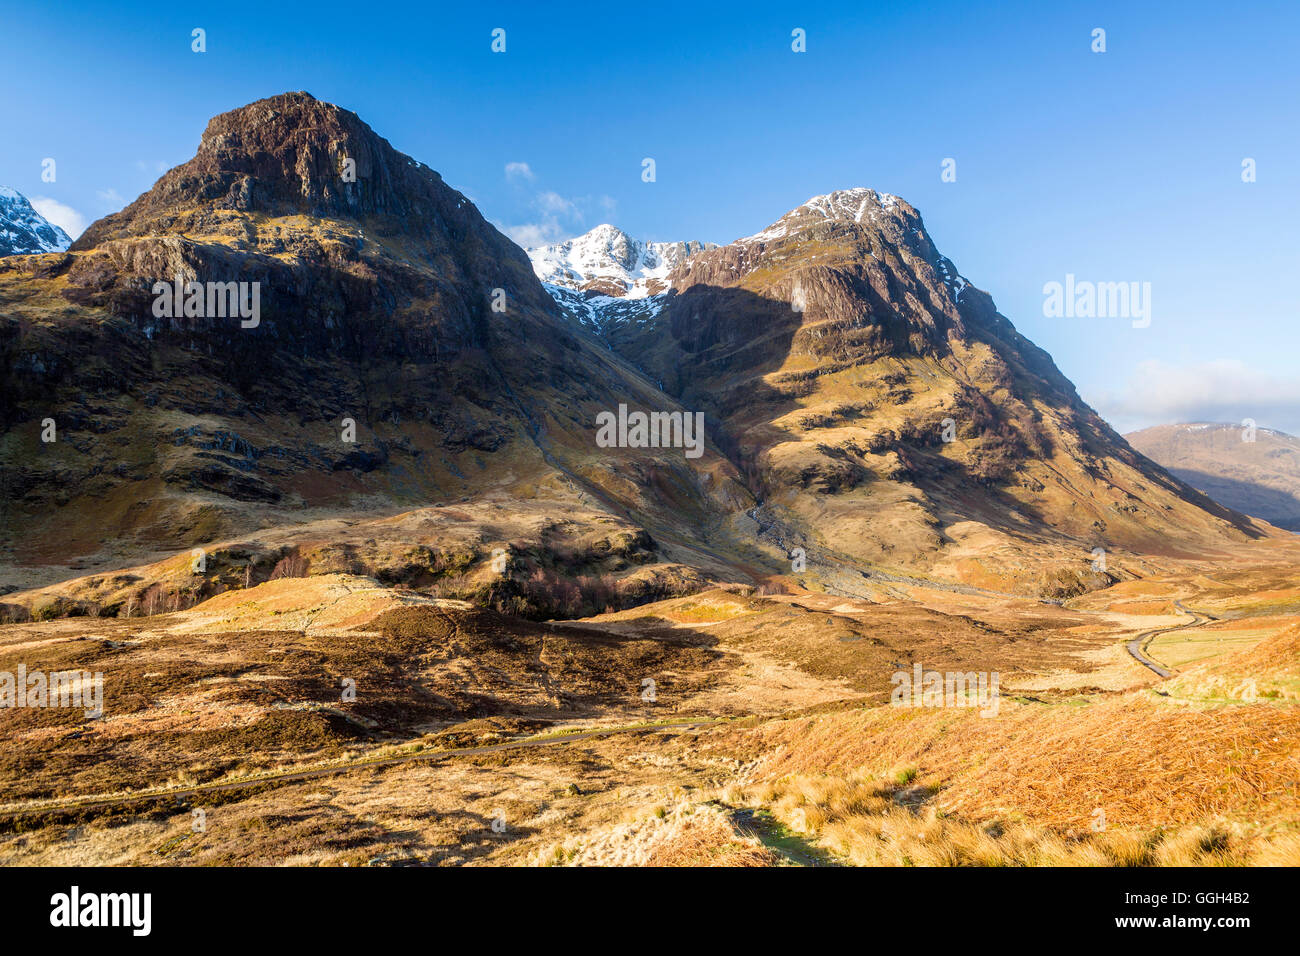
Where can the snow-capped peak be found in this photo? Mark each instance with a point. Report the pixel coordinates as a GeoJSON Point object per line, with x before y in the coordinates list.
{"type": "Point", "coordinates": [846, 205]}
{"type": "Point", "coordinates": [23, 230]}
{"type": "Point", "coordinates": [609, 261]}
{"type": "Point", "coordinates": [895, 220]}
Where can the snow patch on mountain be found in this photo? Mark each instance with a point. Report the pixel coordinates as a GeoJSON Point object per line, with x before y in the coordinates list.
{"type": "Point", "coordinates": [859, 205]}
{"type": "Point", "coordinates": [23, 230]}
{"type": "Point", "coordinates": [608, 261]}
{"type": "Point", "coordinates": [600, 313]}
{"type": "Point", "coordinates": [606, 277]}
{"type": "Point", "coordinates": [845, 205]}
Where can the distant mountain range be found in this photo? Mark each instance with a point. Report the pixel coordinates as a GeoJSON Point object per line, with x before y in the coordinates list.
{"type": "Point", "coordinates": [23, 230]}
{"type": "Point", "coordinates": [1254, 471]}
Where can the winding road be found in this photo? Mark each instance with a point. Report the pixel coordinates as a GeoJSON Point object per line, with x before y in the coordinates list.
{"type": "Point", "coordinates": [1138, 645]}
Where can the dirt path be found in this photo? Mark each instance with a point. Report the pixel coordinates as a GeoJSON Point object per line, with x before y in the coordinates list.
{"type": "Point", "coordinates": [790, 846]}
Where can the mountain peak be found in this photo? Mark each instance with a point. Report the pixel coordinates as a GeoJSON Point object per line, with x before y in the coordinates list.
{"type": "Point", "coordinates": [290, 154]}
{"type": "Point", "coordinates": [856, 205]}
{"type": "Point", "coordinates": [23, 230]}
{"type": "Point", "coordinates": [306, 199]}
{"type": "Point", "coordinates": [608, 261]}
{"type": "Point", "coordinates": [605, 229]}
{"type": "Point", "coordinates": [853, 203]}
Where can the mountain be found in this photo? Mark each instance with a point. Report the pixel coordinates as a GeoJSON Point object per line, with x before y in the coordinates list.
{"type": "Point", "coordinates": [606, 277]}
{"type": "Point", "coordinates": [837, 350]}
{"type": "Point", "coordinates": [608, 261]}
{"type": "Point", "coordinates": [390, 313]}
{"type": "Point", "coordinates": [23, 230]}
{"type": "Point", "coordinates": [1259, 476]}
{"type": "Point", "coordinates": [303, 345]}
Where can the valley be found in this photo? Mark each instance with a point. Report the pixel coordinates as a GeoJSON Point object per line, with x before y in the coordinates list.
{"type": "Point", "coordinates": [387, 575]}
{"type": "Point", "coordinates": [770, 703]}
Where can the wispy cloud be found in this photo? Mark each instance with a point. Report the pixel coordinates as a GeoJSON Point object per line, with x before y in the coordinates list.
{"type": "Point", "coordinates": [1223, 390]}
{"type": "Point", "coordinates": [63, 216]}
{"type": "Point", "coordinates": [519, 172]}
{"type": "Point", "coordinates": [111, 198]}
{"type": "Point", "coordinates": [552, 203]}
{"type": "Point", "coordinates": [533, 234]}
{"type": "Point", "coordinates": [556, 217]}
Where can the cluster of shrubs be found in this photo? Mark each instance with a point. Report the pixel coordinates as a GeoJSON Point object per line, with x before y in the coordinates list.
{"type": "Point", "coordinates": [555, 582]}
{"type": "Point", "coordinates": [538, 594]}
{"type": "Point", "coordinates": [162, 597]}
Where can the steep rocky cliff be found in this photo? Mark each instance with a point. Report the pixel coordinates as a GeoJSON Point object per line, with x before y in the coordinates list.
{"type": "Point", "coordinates": [880, 405]}
{"type": "Point", "coordinates": [390, 312]}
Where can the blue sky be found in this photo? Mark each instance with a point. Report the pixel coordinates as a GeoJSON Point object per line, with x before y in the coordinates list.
{"type": "Point", "coordinates": [1116, 166]}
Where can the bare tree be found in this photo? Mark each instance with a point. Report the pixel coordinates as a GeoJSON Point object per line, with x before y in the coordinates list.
{"type": "Point", "coordinates": [292, 565]}
{"type": "Point", "coordinates": [152, 600]}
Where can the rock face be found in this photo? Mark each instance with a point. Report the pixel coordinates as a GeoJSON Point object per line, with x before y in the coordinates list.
{"type": "Point", "coordinates": [23, 230]}
{"type": "Point", "coordinates": [1256, 471]}
{"type": "Point", "coordinates": [391, 312]}
{"type": "Point", "coordinates": [860, 397]}
{"type": "Point", "coordinates": [882, 407]}
{"type": "Point", "coordinates": [290, 190]}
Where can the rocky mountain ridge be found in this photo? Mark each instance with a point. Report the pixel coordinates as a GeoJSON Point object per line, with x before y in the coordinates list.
{"type": "Point", "coordinates": [859, 395]}
{"type": "Point", "coordinates": [23, 230]}
{"type": "Point", "coordinates": [879, 404]}
{"type": "Point", "coordinates": [404, 353]}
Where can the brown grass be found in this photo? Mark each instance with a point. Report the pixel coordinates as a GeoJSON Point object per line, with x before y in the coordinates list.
{"type": "Point", "coordinates": [859, 819]}
{"type": "Point", "coordinates": [688, 834]}
{"type": "Point", "coordinates": [1269, 670]}
{"type": "Point", "coordinates": [1145, 764]}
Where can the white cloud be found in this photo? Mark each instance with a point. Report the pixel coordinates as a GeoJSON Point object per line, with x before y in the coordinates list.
{"type": "Point", "coordinates": [1224, 390]}
{"type": "Point", "coordinates": [65, 217]}
{"type": "Point", "coordinates": [517, 172]}
{"type": "Point", "coordinates": [111, 198]}
{"type": "Point", "coordinates": [553, 203]}
{"type": "Point", "coordinates": [533, 234]}
{"type": "Point", "coordinates": [556, 217]}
